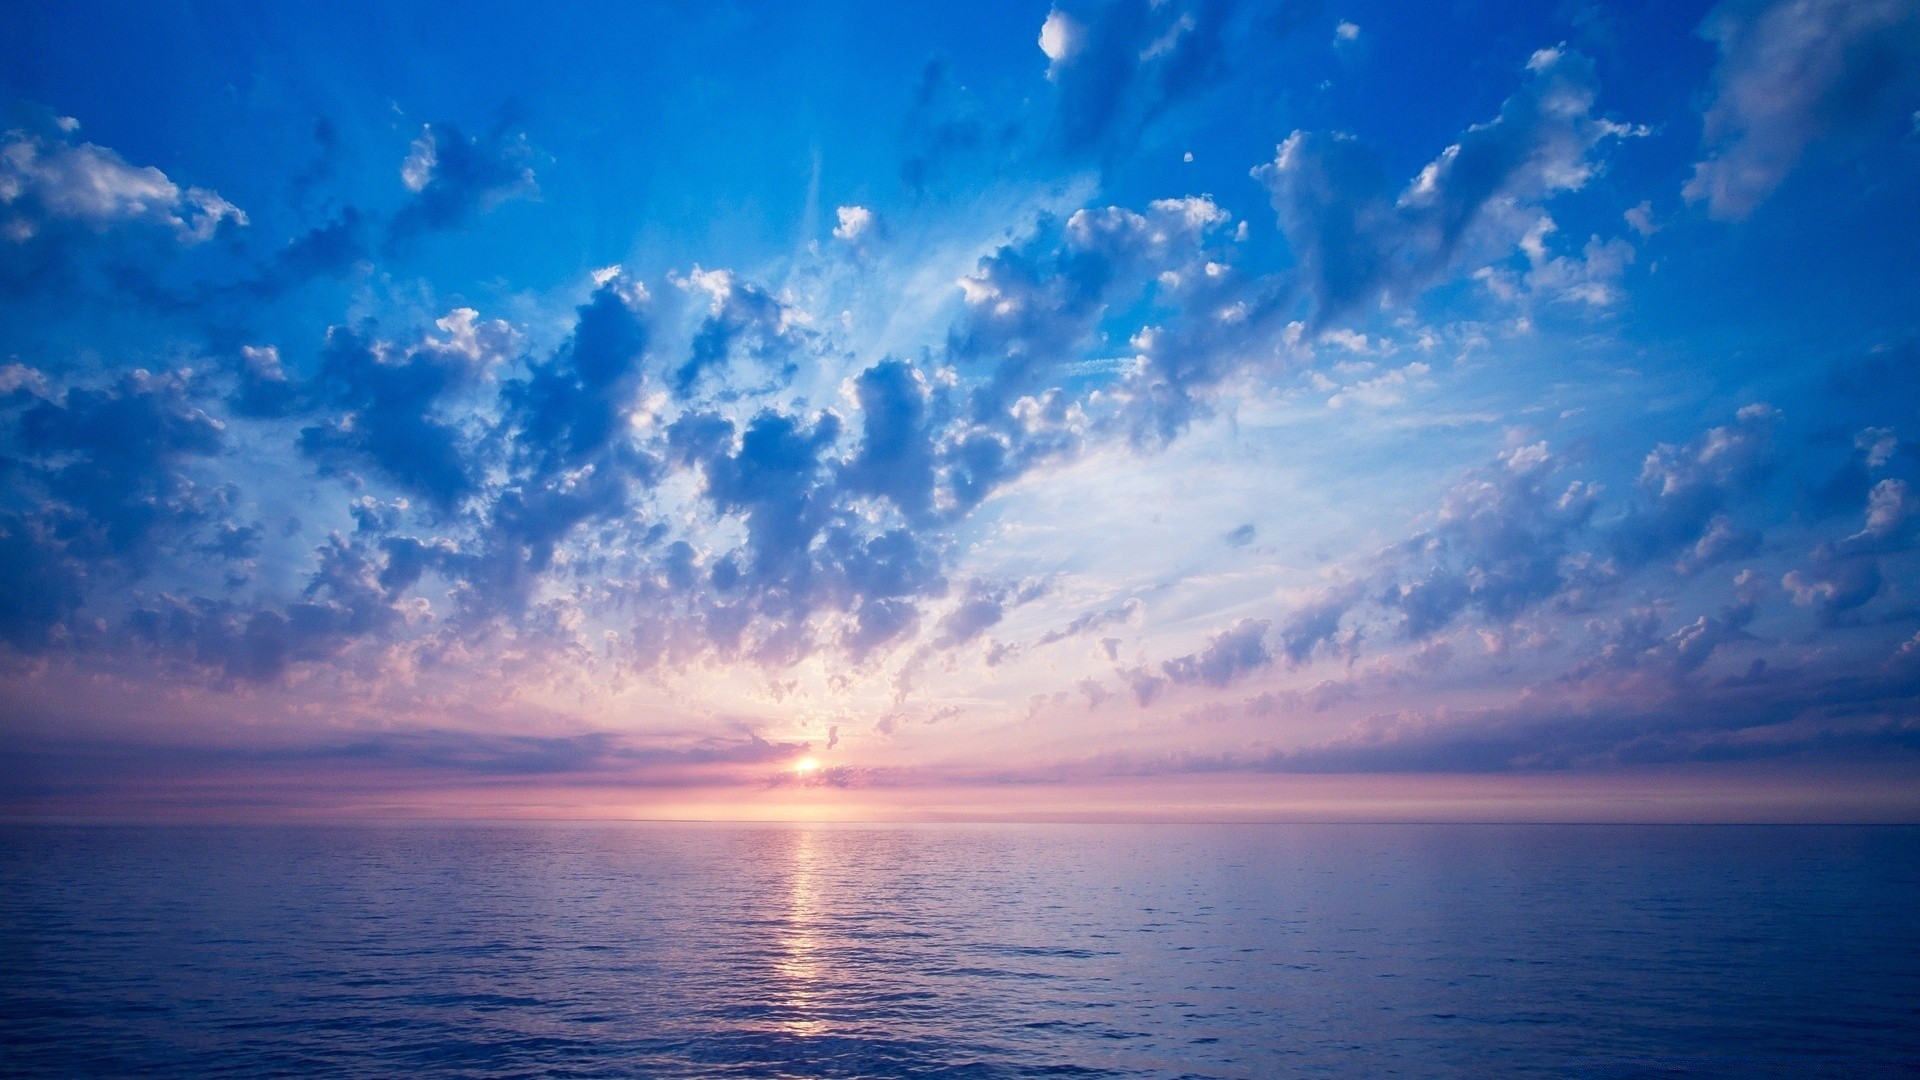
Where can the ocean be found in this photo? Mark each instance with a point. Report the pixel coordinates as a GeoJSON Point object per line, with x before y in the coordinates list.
{"type": "Point", "coordinates": [643, 949]}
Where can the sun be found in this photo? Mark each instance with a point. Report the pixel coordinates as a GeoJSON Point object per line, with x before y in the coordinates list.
{"type": "Point", "coordinates": [805, 765]}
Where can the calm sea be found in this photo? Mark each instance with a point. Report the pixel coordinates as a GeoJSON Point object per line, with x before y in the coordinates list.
{"type": "Point", "coordinates": [959, 951]}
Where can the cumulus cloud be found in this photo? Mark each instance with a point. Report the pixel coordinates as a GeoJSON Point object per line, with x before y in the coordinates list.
{"type": "Point", "coordinates": [1502, 544]}
{"type": "Point", "coordinates": [1031, 306]}
{"type": "Point", "coordinates": [389, 404]}
{"type": "Point", "coordinates": [45, 180]}
{"type": "Point", "coordinates": [1685, 488]}
{"type": "Point", "coordinates": [1230, 653]}
{"type": "Point", "coordinates": [99, 480]}
{"type": "Point", "coordinates": [856, 223]}
{"type": "Point", "coordinates": [1790, 73]}
{"type": "Point", "coordinates": [744, 321]}
{"type": "Point", "coordinates": [1359, 242]}
{"type": "Point", "coordinates": [896, 458]}
{"type": "Point", "coordinates": [1843, 576]}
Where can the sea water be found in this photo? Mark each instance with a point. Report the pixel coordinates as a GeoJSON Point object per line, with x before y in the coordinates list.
{"type": "Point", "coordinates": [637, 949]}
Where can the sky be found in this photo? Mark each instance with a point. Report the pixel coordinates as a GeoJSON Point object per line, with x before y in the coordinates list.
{"type": "Point", "coordinates": [1184, 409]}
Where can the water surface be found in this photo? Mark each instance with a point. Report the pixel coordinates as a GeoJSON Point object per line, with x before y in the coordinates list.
{"type": "Point", "coordinates": [959, 951]}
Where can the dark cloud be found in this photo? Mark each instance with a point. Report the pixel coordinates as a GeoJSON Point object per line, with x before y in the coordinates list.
{"type": "Point", "coordinates": [1316, 625]}
{"type": "Point", "coordinates": [41, 586]}
{"type": "Point", "coordinates": [895, 458]}
{"type": "Point", "coordinates": [387, 406]}
{"type": "Point", "coordinates": [1843, 576]}
{"type": "Point", "coordinates": [807, 554]}
{"type": "Point", "coordinates": [1088, 622]}
{"type": "Point", "coordinates": [263, 388]}
{"type": "Point", "coordinates": [1144, 685]}
{"type": "Point", "coordinates": [111, 461]}
{"type": "Point", "coordinates": [410, 759]}
{"type": "Point", "coordinates": [329, 249]}
{"type": "Point", "coordinates": [743, 321]}
{"type": "Point", "coordinates": [1223, 325]}
{"type": "Point", "coordinates": [570, 460]}
{"type": "Point", "coordinates": [981, 609]}
{"type": "Point", "coordinates": [1637, 716]}
{"type": "Point", "coordinates": [455, 177]}
{"type": "Point", "coordinates": [573, 407]}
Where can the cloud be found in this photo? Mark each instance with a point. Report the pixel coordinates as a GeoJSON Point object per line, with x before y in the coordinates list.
{"type": "Point", "coordinates": [807, 554]}
{"type": "Point", "coordinates": [744, 321]}
{"type": "Point", "coordinates": [1031, 306]}
{"type": "Point", "coordinates": [1118, 66]}
{"type": "Point", "coordinates": [387, 404]}
{"type": "Point", "coordinates": [981, 608]}
{"type": "Point", "coordinates": [1230, 653]}
{"type": "Point", "coordinates": [43, 181]}
{"type": "Point", "coordinates": [573, 407]}
{"type": "Point", "coordinates": [1513, 536]}
{"type": "Point", "coordinates": [80, 226]}
{"type": "Point", "coordinates": [113, 460]}
{"type": "Point", "coordinates": [896, 455]}
{"type": "Point", "coordinates": [1501, 545]}
{"type": "Point", "coordinates": [1890, 505]}
{"type": "Point", "coordinates": [570, 459]}
{"type": "Point", "coordinates": [1843, 576]}
{"type": "Point", "coordinates": [101, 482]}
{"type": "Point", "coordinates": [1358, 243]}
{"type": "Point", "coordinates": [1315, 625]}
{"type": "Point", "coordinates": [41, 585]}
{"type": "Point", "coordinates": [1792, 72]}
{"type": "Point", "coordinates": [352, 595]}
{"type": "Point", "coordinates": [454, 177]}
{"type": "Point", "coordinates": [1684, 490]}
{"type": "Point", "coordinates": [309, 773]}
{"type": "Point", "coordinates": [856, 223]}
{"type": "Point", "coordinates": [1127, 611]}
{"type": "Point", "coordinates": [1143, 684]}
{"type": "Point", "coordinates": [1060, 37]}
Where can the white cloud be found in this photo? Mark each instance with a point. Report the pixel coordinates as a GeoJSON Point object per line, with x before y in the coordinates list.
{"type": "Point", "coordinates": [96, 187]}
{"type": "Point", "coordinates": [1059, 38]}
{"type": "Point", "coordinates": [856, 222]}
{"type": "Point", "coordinates": [1889, 505]}
{"type": "Point", "coordinates": [417, 171]}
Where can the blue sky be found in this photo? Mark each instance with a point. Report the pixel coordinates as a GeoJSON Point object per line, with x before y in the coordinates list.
{"type": "Point", "coordinates": [773, 409]}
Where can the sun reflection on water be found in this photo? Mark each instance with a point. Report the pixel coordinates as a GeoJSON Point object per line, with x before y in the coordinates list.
{"type": "Point", "coordinates": [800, 965]}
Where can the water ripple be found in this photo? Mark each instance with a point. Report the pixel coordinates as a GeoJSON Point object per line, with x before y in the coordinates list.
{"type": "Point", "coordinates": [958, 951]}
